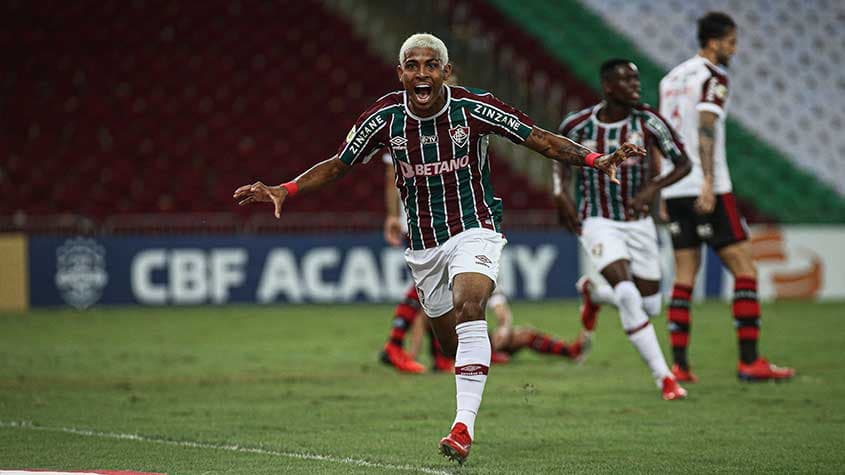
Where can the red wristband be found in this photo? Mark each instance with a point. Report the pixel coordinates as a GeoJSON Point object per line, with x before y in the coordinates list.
{"type": "Point", "coordinates": [292, 188]}
{"type": "Point", "coordinates": [591, 158]}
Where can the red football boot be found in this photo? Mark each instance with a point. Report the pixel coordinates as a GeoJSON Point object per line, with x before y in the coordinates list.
{"type": "Point", "coordinates": [762, 370]}
{"type": "Point", "coordinates": [456, 445]}
{"type": "Point", "coordinates": [672, 390]}
{"type": "Point", "coordinates": [443, 364]}
{"type": "Point", "coordinates": [683, 375]}
{"type": "Point", "coordinates": [499, 357]}
{"type": "Point", "coordinates": [582, 346]}
{"type": "Point", "coordinates": [589, 309]}
{"type": "Point", "coordinates": [396, 357]}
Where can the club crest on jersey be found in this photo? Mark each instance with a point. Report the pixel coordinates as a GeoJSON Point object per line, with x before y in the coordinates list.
{"type": "Point", "coordinates": [460, 135]}
{"type": "Point", "coordinates": [635, 138]}
{"type": "Point", "coordinates": [398, 143]}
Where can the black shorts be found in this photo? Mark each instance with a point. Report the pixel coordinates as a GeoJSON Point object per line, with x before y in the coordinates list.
{"type": "Point", "coordinates": [722, 227]}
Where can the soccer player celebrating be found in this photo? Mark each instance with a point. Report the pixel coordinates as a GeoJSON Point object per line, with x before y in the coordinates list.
{"type": "Point", "coordinates": [613, 220]}
{"type": "Point", "coordinates": [701, 207]}
{"type": "Point", "coordinates": [438, 135]}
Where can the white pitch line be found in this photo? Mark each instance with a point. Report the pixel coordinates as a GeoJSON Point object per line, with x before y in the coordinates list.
{"type": "Point", "coordinates": [227, 447]}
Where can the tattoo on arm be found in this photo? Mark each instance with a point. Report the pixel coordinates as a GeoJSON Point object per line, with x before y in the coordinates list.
{"type": "Point", "coordinates": [556, 147]}
{"type": "Point", "coordinates": [706, 142]}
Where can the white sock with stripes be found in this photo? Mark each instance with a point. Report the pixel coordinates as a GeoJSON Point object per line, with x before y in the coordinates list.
{"type": "Point", "coordinates": [639, 330]}
{"type": "Point", "coordinates": [472, 362]}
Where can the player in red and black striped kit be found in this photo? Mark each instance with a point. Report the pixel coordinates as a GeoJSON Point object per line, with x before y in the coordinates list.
{"type": "Point", "coordinates": [701, 207]}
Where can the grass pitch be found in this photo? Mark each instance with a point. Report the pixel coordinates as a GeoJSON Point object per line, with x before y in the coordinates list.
{"type": "Point", "coordinates": [297, 389]}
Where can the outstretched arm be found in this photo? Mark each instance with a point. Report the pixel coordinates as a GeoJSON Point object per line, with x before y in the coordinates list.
{"type": "Point", "coordinates": [314, 178]}
{"type": "Point", "coordinates": [568, 152]}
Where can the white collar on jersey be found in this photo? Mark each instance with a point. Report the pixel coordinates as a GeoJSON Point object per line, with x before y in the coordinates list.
{"type": "Point", "coordinates": [414, 116]}
{"type": "Point", "coordinates": [595, 115]}
{"type": "Point", "coordinates": [718, 67]}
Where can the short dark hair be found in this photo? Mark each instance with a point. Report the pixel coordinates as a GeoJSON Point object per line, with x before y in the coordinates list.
{"type": "Point", "coordinates": [608, 66]}
{"type": "Point", "coordinates": [714, 26]}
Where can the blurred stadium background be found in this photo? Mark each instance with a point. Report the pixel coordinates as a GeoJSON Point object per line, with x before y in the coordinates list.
{"type": "Point", "coordinates": [139, 118]}
{"type": "Point", "coordinates": [126, 126]}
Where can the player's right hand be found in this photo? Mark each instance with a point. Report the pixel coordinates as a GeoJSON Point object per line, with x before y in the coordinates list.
{"type": "Point", "coordinates": [260, 192]}
{"type": "Point", "coordinates": [608, 163]}
{"type": "Point", "coordinates": [568, 215]}
{"type": "Point", "coordinates": [393, 231]}
{"type": "Point", "coordinates": [706, 201]}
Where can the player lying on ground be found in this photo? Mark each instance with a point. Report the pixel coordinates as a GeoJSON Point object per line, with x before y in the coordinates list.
{"type": "Point", "coordinates": [612, 220]}
{"type": "Point", "coordinates": [508, 340]}
{"type": "Point", "coordinates": [701, 207]}
{"type": "Point", "coordinates": [438, 136]}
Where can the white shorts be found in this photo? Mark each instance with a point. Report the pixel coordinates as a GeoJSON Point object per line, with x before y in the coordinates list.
{"type": "Point", "coordinates": [474, 250]}
{"type": "Point", "coordinates": [607, 241]}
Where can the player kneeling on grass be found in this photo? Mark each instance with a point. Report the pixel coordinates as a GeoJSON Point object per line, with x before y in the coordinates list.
{"type": "Point", "coordinates": [612, 219]}
{"type": "Point", "coordinates": [438, 136]}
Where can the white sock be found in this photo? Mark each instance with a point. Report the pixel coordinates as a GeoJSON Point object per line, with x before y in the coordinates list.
{"type": "Point", "coordinates": [471, 364]}
{"type": "Point", "coordinates": [639, 330]}
{"type": "Point", "coordinates": [645, 341]}
{"type": "Point", "coordinates": [652, 304]}
{"type": "Point", "coordinates": [602, 294]}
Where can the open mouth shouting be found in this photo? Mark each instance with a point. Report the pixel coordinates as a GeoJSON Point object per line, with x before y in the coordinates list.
{"type": "Point", "coordinates": [422, 93]}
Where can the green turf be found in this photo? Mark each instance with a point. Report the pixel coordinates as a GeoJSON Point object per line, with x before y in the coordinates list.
{"type": "Point", "coordinates": [304, 380]}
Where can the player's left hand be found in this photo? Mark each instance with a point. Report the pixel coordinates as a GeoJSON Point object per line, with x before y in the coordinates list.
{"type": "Point", "coordinates": [608, 163]}
{"type": "Point", "coordinates": [639, 205]}
{"type": "Point", "coordinates": [258, 192]}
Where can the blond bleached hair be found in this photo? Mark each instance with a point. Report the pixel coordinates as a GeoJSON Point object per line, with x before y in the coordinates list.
{"type": "Point", "coordinates": [425, 40]}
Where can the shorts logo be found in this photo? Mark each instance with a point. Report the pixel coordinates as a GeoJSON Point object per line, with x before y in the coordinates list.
{"type": "Point", "coordinates": [460, 135]}
{"type": "Point", "coordinates": [483, 261]}
{"type": "Point", "coordinates": [428, 139]}
{"type": "Point", "coordinates": [81, 272]}
{"type": "Point", "coordinates": [704, 231]}
{"type": "Point", "coordinates": [398, 143]}
{"type": "Point", "coordinates": [597, 250]}
{"type": "Point", "coordinates": [675, 228]}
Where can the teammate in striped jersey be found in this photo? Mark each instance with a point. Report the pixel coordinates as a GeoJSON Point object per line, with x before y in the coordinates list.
{"type": "Point", "coordinates": [612, 219]}
{"type": "Point", "coordinates": [701, 207]}
{"type": "Point", "coordinates": [438, 136]}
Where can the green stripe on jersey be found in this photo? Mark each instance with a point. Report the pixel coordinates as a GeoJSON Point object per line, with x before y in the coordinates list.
{"type": "Point", "coordinates": [495, 204]}
{"type": "Point", "coordinates": [613, 188]}
{"type": "Point", "coordinates": [635, 127]}
{"type": "Point", "coordinates": [436, 190]}
{"type": "Point", "coordinates": [590, 133]}
{"type": "Point", "coordinates": [469, 219]}
{"type": "Point", "coordinates": [397, 129]}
